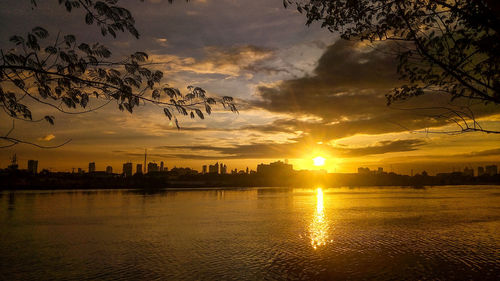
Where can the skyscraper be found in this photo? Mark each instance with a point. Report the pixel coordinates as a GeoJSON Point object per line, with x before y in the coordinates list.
{"type": "Point", "coordinates": [145, 157]}
{"type": "Point", "coordinates": [127, 169]}
{"type": "Point", "coordinates": [480, 171]}
{"type": "Point", "coordinates": [91, 167]}
{"type": "Point", "coordinates": [139, 169]}
{"type": "Point", "coordinates": [213, 169]}
{"type": "Point", "coordinates": [33, 166]}
{"type": "Point", "coordinates": [491, 170]}
{"type": "Point", "coordinates": [152, 167]}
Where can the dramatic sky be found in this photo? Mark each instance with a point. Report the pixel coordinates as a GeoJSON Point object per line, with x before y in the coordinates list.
{"type": "Point", "coordinates": [301, 93]}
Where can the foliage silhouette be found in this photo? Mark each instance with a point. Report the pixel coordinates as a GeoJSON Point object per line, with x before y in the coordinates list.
{"type": "Point", "coordinates": [443, 46]}
{"type": "Point", "coordinates": [68, 75]}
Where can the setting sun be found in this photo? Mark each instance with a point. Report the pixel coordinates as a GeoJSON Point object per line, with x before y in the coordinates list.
{"type": "Point", "coordinates": [319, 161]}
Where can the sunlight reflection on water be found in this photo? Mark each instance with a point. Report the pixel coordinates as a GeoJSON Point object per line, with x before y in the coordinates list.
{"type": "Point", "coordinates": [438, 233]}
{"type": "Point", "coordinates": [319, 228]}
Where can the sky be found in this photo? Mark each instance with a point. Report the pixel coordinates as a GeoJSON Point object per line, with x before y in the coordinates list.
{"type": "Point", "coordinates": [301, 92]}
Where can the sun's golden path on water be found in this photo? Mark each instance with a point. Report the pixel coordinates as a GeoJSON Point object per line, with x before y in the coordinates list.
{"type": "Point", "coordinates": [318, 230]}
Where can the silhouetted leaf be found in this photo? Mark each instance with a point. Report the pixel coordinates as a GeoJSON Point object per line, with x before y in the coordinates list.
{"type": "Point", "coordinates": [67, 71]}
{"type": "Point", "coordinates": [40, 32]}
{"type": "Point", "coordinates": [199, 113]}
{"type": "Point", "coordinates": [177, 124]}
{"type": "Point", "coordinates": [49, 119]}
{"type": "Point", "coordinates": [89, 18]}
{"type": "Point", "coordinates": [167, 113]}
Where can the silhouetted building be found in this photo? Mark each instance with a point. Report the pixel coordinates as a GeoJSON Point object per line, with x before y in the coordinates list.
{"type": "Point", "coordinates": [127, 169]}
{"type": "Point", "coordinates": [273, 168]}
{"type": "Point", "coordinates": [33, 166]}
{"type": "Point", "coordinates": [109, 170]}
{"type": "Point", "coordinates": [153, 167]}
{"type": "Point", "coordinates": [161, 166]}
{"type": "Point", "coordinates": [91, 167]}
{"type": "Point", "coordinates": [491, 170]}
{"type": "Point", "coordinates": [204, 169]}
{"type": "Point", "coordinates": [223, 169]}
{"type": "Point", "coordinates": [182, 172]}
{"type": "Point", "coordinates": [380, 170]}
{"type": "Point", "coordinates": [139, 169]}
{"type": "Point", "coordinates": [480, 171]}
{"type": "Point", "coordinates": [286, 162]}
{"type": "Point", "coordinates": [80, 171]}
{"type": "Point", "coordinates": [213, 169]}
{"type": "Point", "coordinates": [468, 172]}
{"type": "Point", "coordinates": [145, 158]}
{"type": "Point", "coordinates": [362, 170]}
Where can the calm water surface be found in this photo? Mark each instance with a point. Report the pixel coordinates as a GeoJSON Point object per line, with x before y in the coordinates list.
{"type": "Point", "coordinates": [440, 233]}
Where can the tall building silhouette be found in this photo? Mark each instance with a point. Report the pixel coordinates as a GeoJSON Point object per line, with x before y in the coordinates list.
{"type": "Point", "coordinates": [152, 167]}
{"type": "Point", "coordinates": [139, 169]}
{"type": "Point", "coordinates": [213, 169]}
{"type": "Point", "coordinates": [480, 171]}
{"type": "Point", "coordinates": [109, 170]}
{"type": "Point", "coordinates": [127, 169]}
{"type": "Point", "coordinates": [491, 170]}
{"type": "Point", "coordinates": [91, 167]}
{"type": "Point", "coordinates": [33, 166]}
{"type": "Point", "coordinates": [145, 158]}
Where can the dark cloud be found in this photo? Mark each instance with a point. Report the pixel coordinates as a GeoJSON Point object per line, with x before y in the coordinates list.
{"type": "Point", "coordinates": [384, 147]}
{"type": "Point", "coordinates": [489, 152]}
{"type": "Point", "coordinates": [347, 93]}
{"type": "Point", "coordinates": [347, 82]}
{"type": "Point", "coordinates": [284, 150]}
{"type": "Point", "coordinates": [278, 126]}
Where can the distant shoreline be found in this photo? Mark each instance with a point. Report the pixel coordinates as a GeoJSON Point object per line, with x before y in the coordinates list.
{"type": "Point", "coordinates": [21, 180]}
{"type": "Point", "coordinates": [185, 178]}
{"type": "Point", "coordinates": [160, 189]}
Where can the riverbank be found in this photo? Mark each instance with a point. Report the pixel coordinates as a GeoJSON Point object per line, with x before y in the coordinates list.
{"type": "Point", "coordinates": [22, 180]}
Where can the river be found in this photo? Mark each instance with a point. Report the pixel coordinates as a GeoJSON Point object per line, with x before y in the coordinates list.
{"type": "Point", "coordinates": [437, 233]}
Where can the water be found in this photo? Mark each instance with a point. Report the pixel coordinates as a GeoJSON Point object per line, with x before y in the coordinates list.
{"type": "Point", "coordinates": [440, 233]}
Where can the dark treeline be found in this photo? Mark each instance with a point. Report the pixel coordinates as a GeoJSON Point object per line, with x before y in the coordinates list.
{"type": "Point", "coordinates": [20, 179]}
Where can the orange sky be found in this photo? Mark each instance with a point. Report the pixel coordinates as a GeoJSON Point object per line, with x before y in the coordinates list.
{"type": "Point", "coordinates": [301, 93]}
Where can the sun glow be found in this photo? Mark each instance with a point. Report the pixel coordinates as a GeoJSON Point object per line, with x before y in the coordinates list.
{"type": "Point", "coordinates": [319, 161]}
